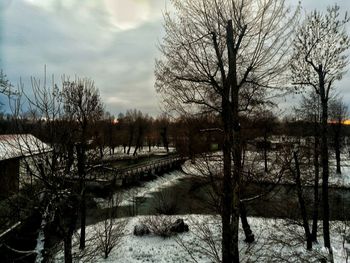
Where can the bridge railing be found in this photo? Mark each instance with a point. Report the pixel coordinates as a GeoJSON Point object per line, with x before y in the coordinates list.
{"type": "Point", "coordinates": [110, 173]}
{"type": "Point", "coordinates": [149, 165]}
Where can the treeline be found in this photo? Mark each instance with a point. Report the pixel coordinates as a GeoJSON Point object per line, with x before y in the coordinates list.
{"type": "Point", "coordinates": [189, 135]}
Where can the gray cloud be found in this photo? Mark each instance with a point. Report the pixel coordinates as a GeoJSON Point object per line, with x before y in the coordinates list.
{"type": "Point", "coordinates": [111, 41]}
{"type": "Point", "coordinates": [85, 41]}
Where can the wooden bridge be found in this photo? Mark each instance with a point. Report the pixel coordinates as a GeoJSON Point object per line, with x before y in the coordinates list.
{"type": "Point", "coordinates": [134, 173]}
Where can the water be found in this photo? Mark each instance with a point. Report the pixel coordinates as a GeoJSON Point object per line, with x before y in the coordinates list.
{"type": "Point", "coordinates": [189, 194]}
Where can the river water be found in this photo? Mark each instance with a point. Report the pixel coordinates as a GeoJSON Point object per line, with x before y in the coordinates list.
{"type": "Point", "coordinates": [190, 194]}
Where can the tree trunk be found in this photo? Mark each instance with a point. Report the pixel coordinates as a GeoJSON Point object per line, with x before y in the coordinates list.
{"type": "Point", "coordinates": [249, 236]}
{"type": "Point", "coordinates": [67, 217]}
{"type": "Point", "coordinates": [139, 141]}
{"type": "Point", "coordinates": [135, 151]}
{"type": "Point", "coordinates": [228, 245]}
{"type": "Point", "coordinates": [130, 141]}
{"type": "Point", "coordinates": [164, 135]}
{"type": "Point", "coordinates": [337, 146]}
{"type": "Point", "coordinates": [82, 220]}
{"type": "Point", "coordinates": [70, 157]}
{"type": "Point", "coordinates": [265, 150]}
{"type": "Point", "coordinates": [231, 145]}
{"type": "Point", "coordinates": [316, 179]}
{"type": "Point", "coordinates": [101, 152]}
{"type": "Point", "coordinates": [324, 162]}
{"type": "Point", "coordinates": [227, 202]}
{"type": "Point", "coordinates": [68, 248]}
{"type": "Point", "coordinates": [235, 138]}
{"type": "Point", "coordinates": [302, 203]}
{"type": "Point", "coordinates": [149, 146]}
{"type": "Point", "coordinates": [128, 152]}
{"type": "Point", "coordinates": [81, 173]}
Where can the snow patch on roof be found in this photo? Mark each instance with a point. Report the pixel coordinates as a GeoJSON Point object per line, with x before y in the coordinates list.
{"type": "Point", "coordinates": [20, 145]}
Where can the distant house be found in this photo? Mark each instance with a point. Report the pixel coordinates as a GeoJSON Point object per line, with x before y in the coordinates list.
{"type": "Point", "coordinates": [13, 149]}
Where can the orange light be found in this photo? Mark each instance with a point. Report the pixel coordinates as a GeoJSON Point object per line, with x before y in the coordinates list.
{"type": "Point", "coordinates": [346, 122]}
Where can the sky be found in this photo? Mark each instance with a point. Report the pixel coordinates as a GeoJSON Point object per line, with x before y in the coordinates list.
{"type": "Point", "coordinates": [113, 42]}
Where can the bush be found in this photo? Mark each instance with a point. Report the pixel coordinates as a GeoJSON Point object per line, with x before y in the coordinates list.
{"type": "Point", "coordinates": [166, 202]}
{"type": "Point", "coordinates": [164, 226]}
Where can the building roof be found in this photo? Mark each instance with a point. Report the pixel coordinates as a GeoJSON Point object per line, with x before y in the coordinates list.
{"type": "Point", "coordinates": [20, 145]}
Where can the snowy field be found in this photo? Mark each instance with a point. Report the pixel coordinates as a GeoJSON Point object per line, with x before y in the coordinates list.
{"type": "Point", "coordinates": [276, 241]}
{"type": "Point", "coordinates": [144, 151]}
{"type": "Point", "coordinates": [212, 164]}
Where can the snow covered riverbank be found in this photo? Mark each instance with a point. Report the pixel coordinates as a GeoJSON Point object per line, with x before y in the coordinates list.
{"type": "Point", "coordinates": [275, 240]}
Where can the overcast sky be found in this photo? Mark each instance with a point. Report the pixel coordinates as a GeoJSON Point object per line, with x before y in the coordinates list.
{"type": "Point", "coordinates": [114, 42]}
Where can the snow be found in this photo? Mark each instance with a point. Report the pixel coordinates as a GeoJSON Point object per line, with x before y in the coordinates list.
{"type": "Point", "coordinates": [40, 246]}
{"type": "Point", "coordinates": [40, 242]}
{"type": "Point", "coordinates": [254, 163]}
{"type": "Point", "coordinates": [275, 239]}
{"type": "Point", "coordinates": [343, 179]}
{"type": "Point", "coordinates": [18, 145]}
{"type": "Point", "coordinates": [143, 152]}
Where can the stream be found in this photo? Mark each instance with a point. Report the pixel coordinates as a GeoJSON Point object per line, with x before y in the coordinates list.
{"type": "Point", "coordinates": [179, 193]}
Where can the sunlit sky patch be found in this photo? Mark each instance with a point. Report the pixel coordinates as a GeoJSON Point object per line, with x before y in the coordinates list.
{"type": "Point", "coordinates": [114, 42]}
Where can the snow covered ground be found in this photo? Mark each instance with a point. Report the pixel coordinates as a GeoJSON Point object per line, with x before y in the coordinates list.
{"type": "Point", "coordinates": [276, 241]}
{"type": "Point", "coordinates": [342, 179]}
{"type": "Point", "coordinates": [119, 152]}
{"type": "Point", "coordinates": [254, 162]}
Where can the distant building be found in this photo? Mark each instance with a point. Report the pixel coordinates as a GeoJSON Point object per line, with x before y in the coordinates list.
{"type": "Point", "coordinates": [13, 149]}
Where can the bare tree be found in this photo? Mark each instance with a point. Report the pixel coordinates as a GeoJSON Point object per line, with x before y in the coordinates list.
{"type": "Point", "coordinates": [309, 111]}
{"type": "Point", "coordinates": [5, 84]}
{"type": "Point", "coordinates": [266, 121]}
{"type": "Point", "coordinates": [47, 164]}
{"type": "Point", "coordinates": [111, 230]}
{"type": "Point", "coordinates": [130, 119]}
{"type": "Point", "coordinates": [83, 107]}
{"type": "Point", "coordinates": [142, 126]}
{"type": "Point", "coordinates": [213, 53]}
{"type": "Point", "coordinates": [163, 126]}
{"type": "Point", "coordinates": [318, 61]}
{"type": "Point", "coordinates": [297, 175]}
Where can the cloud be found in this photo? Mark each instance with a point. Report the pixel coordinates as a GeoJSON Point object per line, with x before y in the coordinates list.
{"type": "Point", "coordinates": [91, 39]}
{"type": "Point", "coordinates": [111, 41]}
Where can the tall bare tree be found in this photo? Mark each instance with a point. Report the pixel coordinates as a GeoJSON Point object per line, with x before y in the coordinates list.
{"type": "Point", "coordinates": [319, 60]}
{"type": "Point", "coordinates": [47, 165]}
{"type": "Point", "coordinates": [213, 53]}
{"type": "Point", "coordinates": [309, 111]}
{"type": "Point", "coordinates": [83, 107]}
